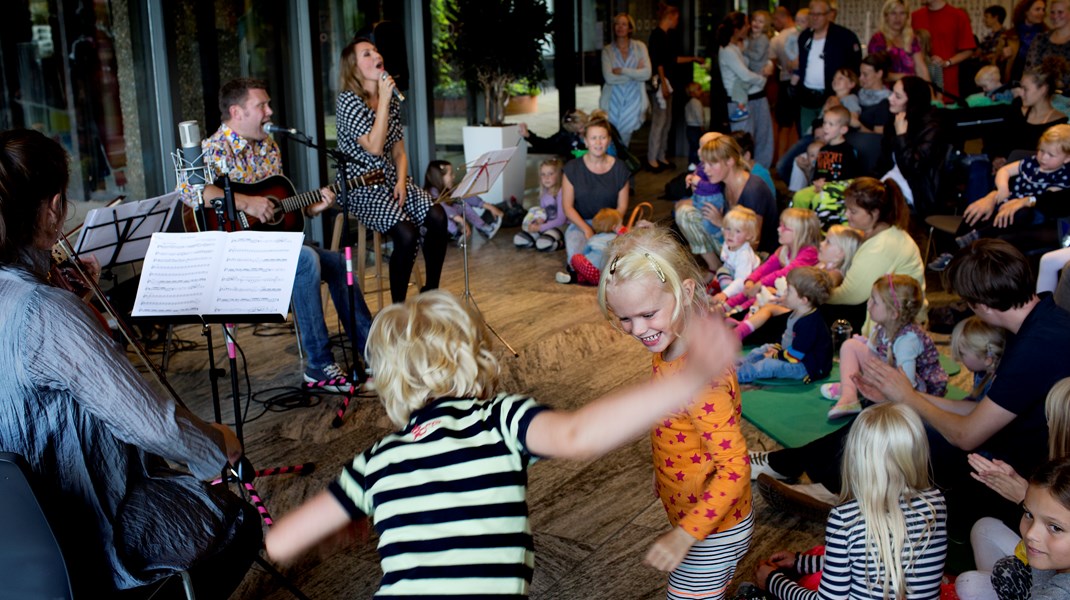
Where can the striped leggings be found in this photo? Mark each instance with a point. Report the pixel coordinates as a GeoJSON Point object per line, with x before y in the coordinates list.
{"type": "Point", "coordinates": [710, 564]}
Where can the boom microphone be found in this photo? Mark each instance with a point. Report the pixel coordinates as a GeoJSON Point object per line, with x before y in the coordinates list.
{"type": "Point", "coordinates": [397, 92]}
{"type": "Point", "coordinates": [189, 135]}
{"type": "Point", "coordinates": [270, 127]}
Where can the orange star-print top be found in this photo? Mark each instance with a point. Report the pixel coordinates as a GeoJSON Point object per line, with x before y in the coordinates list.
{"type": "Point", "coordinates": [701, 467]}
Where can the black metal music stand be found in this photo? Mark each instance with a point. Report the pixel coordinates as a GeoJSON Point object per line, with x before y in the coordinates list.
{"type": "Point", "coordinates": [478, 179]}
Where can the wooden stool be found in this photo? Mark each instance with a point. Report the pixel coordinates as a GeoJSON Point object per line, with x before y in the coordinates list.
{"type": "Point", "coordinates": [381, 281]}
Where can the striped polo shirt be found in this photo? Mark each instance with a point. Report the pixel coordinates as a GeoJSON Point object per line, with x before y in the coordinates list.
{"type": "Point", "coordinates": [448, 497]}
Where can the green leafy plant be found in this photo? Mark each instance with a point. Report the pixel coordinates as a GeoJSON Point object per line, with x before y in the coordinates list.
{"type": "Point", "coordinates": [497, 43]}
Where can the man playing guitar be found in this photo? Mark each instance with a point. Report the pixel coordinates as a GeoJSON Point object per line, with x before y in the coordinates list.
{"type": "Point", "coordinates": [251, 155]}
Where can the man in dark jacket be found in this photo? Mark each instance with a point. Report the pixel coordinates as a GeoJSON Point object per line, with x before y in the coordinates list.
{"type": "Point", "coordinates": [823, 49]}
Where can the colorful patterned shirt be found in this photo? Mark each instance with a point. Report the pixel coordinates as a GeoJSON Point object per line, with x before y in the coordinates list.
{"type": "Point", "coordinates": [701, 467]}
{"type": "Point", "coordinates": [246, 161]}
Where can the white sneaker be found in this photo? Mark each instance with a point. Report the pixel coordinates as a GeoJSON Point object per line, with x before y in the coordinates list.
{"type": "Point", "coordinates": [564, 277]}
{"type": "Point", "coordinates": [759, 464]}
{"type": "Point", "coordinates": [492, 228]}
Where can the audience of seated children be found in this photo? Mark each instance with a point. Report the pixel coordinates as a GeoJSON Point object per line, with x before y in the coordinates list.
{"type": "Point", "coordinates": [438, 180]}
{"type": "Point", "coordinates": [888, 537]}
{"type": "Point", "coordinates": [805, 351]}
{"type": "Point", "coordinates": [543, 226]}
{"type": "Point", "coordinates": [1019, 181]}
{"type": "Point", "coordinates": [834, 256]}
{"type": "Point", "coordinates": [837, 161]}
{"type": "Point", "coordinates": [893, 306]}
{"type": "Point", "coordinates": [694, 118]}
{"type": "Point", "coordinates": [798, 234]}
{"type": "Point", "coordinates": [992, 89]}
{"type": "Point", "coordinates": [738, 259]}
{"type": "Point", "coordinates": [1000, 556]}
{"type": "Point", "coordinates": [462, 450]}
{"type": "Point", "coordinates": [746, 144]}
{"type": "Point", "coordinates": [652, 290]}
{"type": "Point", "coordinates": [588, 266]}
{"type": "Point", "coordinates": [837, 251]}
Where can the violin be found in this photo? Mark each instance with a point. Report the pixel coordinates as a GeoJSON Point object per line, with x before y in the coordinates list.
{"type": "Point", "coordinates": [66, 275]}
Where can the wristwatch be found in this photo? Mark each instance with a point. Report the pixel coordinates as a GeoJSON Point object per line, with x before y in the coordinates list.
{"type": "Point", "coordinates": [947, 64]}
{"type": "Point", "coordinates": [1031, 201]}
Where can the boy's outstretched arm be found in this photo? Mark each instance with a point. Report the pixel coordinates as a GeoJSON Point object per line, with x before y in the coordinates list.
{"type": "Point", "coordinates": [622, 415]}
{"type": "Point", "coordinates": [308, 525]}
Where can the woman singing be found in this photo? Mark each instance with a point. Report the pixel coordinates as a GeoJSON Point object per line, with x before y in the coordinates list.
{"type": "Point", "coordinates": [93, 432]}
{"type": "Point", "coordinates": [369, 131]}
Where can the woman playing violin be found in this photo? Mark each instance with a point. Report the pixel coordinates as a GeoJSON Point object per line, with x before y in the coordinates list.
{"type": "Point", "coordinates": [91, 429]}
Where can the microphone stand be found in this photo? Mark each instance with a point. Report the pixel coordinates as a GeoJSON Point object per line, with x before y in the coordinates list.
{"type": "Point", "coordinates": [359, 375]}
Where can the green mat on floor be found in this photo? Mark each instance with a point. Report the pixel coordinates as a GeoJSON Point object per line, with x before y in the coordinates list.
{"type": "Point", "coordinates": [795, 414]}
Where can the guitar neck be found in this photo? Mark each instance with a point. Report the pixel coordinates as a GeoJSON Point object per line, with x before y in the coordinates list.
{"type": "Point", "coordinates": [300, 201]}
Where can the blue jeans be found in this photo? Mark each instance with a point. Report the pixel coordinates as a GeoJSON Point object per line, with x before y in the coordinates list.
{"type": "Point", "coordinates": [575, 241]}
{"type": "Point", "coordinates": [316, 265]}
{"type": "Point", "coordinates": [757, 366]}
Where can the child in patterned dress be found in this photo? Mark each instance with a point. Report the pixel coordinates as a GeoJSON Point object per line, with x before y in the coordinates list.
{"type": "Point", "coordinates": [893, 306]}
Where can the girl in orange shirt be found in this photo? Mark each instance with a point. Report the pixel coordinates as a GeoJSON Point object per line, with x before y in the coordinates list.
{"type": "Point", "coordinates": [650, 288]}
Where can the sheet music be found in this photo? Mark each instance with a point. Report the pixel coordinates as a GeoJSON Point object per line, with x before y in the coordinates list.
{"type": "Point", "coordinates": [132, 222]}
{"type": "Point", "coordinates": [482, 172]}
{"type": "Point", "coordinates": [218, 273]}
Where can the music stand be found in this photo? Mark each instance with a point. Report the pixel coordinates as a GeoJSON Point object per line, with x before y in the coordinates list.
{"type": "Point", "coordinates": [479, 178]}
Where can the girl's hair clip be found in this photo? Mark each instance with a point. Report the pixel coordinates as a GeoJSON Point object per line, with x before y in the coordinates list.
{"type": "Point", "coordinates": [649, 258]}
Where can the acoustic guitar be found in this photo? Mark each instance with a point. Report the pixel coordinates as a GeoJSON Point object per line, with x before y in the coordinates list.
{"type": "Point", "coordinates": [287, 205]}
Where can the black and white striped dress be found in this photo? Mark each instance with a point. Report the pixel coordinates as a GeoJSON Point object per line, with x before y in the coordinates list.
{"type": "Point", "coordinates": [843, 567]}
{"type": "Point", "coordinates": [375, 206]}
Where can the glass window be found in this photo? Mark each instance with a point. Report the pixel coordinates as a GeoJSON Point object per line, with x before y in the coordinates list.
{"type": "Point", "coordinates": [58, 75]}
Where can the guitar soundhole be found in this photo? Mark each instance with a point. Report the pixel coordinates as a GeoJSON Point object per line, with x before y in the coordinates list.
{"type": "Point", "coordinates": [277, 213]}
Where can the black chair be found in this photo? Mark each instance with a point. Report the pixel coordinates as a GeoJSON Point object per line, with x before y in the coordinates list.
{"type": "Point", "coordinates": [31, 563]}
{"type": "Point", "coordinates": [868, 148]}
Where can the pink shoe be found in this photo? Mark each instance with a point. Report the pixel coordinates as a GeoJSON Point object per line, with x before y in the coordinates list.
{"type": "Point", "coordinates": [838, 412]}
{"type": "Point", "coordinates": [830, 391]}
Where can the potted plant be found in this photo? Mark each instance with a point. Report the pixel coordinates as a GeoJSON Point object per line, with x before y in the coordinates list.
{"type": "Point", "coordinates": [523, 98]}
{"type": "Point", "coordinates": [497, 43]}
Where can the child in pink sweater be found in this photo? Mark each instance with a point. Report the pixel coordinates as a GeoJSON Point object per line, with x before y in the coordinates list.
{"type": "Point", "coordinates": [799, 234]}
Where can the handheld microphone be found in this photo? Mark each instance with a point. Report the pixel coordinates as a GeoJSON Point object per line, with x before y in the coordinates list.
{"type": "Point", "coordinates": [270, 128]}
{"type": "Point", "coordinates": [192, 162]}
{"type": "Point", "coordinates": [397, 92]}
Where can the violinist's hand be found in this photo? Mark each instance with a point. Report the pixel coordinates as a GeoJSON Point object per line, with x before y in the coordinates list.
{"type": "Point", "coordinates": [230, 442]}
{"type": "Point", "coordinates": [91, 266]}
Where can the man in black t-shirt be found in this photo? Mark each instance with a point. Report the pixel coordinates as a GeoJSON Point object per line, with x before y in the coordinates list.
{"type": "Point", "coordinates": [1009, 423]}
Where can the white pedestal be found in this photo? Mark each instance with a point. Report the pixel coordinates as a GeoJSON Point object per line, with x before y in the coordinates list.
{"type": "Point", "coordinates": [480, 140]}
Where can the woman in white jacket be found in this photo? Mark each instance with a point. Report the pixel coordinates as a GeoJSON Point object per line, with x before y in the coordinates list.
{"type": "Point", "coordinates": [626, 69]}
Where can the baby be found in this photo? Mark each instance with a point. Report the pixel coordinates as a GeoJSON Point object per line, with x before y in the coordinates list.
{"type": "Point", "coordinates": [993, 91]}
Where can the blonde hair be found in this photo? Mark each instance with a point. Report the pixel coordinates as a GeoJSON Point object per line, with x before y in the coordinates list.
{"type": "Point", "coordinates": [886, 462]}
{"type": "Point", "coordinates": [908, 32]}
{"type": "Point", "coordinates": [1057, 135]}
{"type": "Point", "coordinates": [807, 228]}
{"type": "Point", "coordinates": [988, 73]}
{"type": "Point", "coordinates": [598, 118]}
{"type": "Point", "coordinates": [607, 220]}
{"type": "Point", "coordinates": [768, 21]}
{"type": "Point", "coordinates": [626, 16]}
{"type": "Point", "coordinates": [558, 167]}
{"type": "Point", "coordinates": [974, 335]}
{"type": "Point", "coordinates": [847, 239]}
{"type": "Point", "coordinates": [840, 114]}
{"type": "Point", "coordinates": [348, 76]}
{"type": "Point", "coordinates": [723, 148]}
{"type": "Point", "coordinates": [429, 347]}
{"type": "Point", "coordinates": [1057, 413]}
{"type": "Point", "coordinates": [653, 254]}
{"type": "Point", "coordinates": [744, 218]}
{"type": "Point", "coordinates": [903, 294]}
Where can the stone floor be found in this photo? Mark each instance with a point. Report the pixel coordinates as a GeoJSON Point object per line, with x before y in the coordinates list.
{"type": "Point", "coordinates": [591, 527]}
